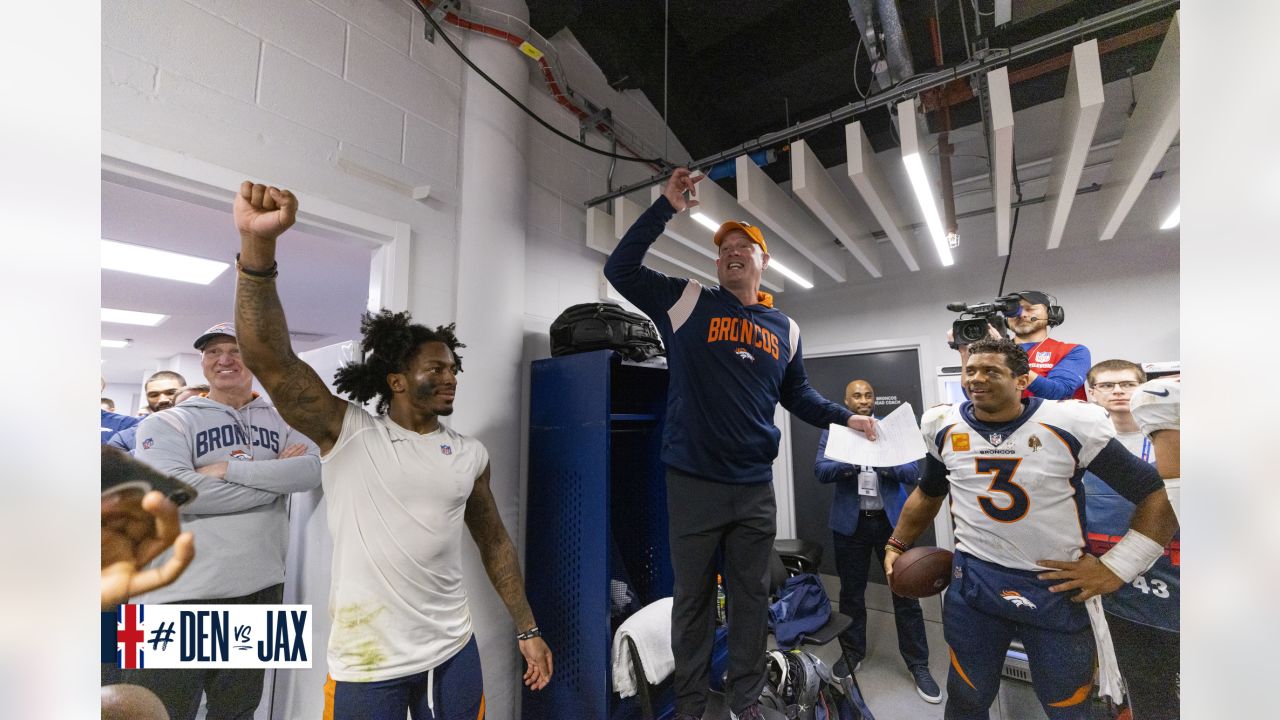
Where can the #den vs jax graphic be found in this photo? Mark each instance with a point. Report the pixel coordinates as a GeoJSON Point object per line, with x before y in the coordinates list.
{"type": "Point", "coordinates": [207, 636]}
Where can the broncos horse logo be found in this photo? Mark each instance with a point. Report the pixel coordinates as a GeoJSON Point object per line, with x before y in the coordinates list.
{"type": "Point", "coordinates": [1017, 599]}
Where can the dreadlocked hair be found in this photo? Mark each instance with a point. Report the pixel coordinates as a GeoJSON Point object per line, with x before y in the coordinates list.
{"type": "Point", "coordinates": [390, 342]}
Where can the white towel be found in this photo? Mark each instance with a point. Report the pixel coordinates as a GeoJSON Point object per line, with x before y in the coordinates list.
{"type": "Point", "coordinates": [650, 630]}
{"type": "Point", "coordinates": [1110, 684]}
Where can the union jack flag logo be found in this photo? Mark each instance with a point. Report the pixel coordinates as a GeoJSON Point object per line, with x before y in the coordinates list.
{"type": "Point", "coordinates": [129, 636]}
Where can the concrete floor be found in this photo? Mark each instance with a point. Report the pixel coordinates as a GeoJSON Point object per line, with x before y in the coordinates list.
{"type": "Point", "coordinates": [886, 685]}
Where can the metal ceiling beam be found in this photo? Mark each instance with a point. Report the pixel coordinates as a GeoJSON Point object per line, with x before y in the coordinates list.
{"type": "Point", "coordinates": [869, 180]}
{"type": "Point", "coordinates": [1147, 136]}
{"type": "Point", "coordinates": [761, 196]}
{"type": "Point", "coordinates": [913, 87]}
{"type": "Point", "coordinates": [1001, 152]}
{"type": "Point", "coordinates": [1081, 108]}
{"type": "Point", "coordinates": [818, 191]}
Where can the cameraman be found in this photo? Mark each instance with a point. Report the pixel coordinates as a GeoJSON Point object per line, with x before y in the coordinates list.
{"type": "Point", "coordinates": [1057, 368]}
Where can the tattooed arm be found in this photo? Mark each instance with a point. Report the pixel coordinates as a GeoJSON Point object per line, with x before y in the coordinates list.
{"type": "Point", "coordinates": [500, 561]}
{"type": "Point", "coordinates": [262, 213]}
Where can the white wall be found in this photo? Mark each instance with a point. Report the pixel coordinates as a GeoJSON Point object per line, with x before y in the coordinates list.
{"type": "Point", "coordinates": [335, 98]}
{"type": "Point", "coordinates": [128, 398]}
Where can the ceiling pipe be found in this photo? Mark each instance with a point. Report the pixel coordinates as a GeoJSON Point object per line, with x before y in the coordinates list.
{"type": "Point", "coordinates": [913, 87]}
{"type": "Point", "coordinates": [896, 49]}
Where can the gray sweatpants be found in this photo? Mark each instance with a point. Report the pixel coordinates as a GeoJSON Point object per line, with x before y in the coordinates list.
{"type": "Point", "coordinates": [703, 517]}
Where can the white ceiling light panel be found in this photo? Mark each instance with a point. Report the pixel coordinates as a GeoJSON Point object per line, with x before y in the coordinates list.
{"type": "Point", "coordinates": [1081, 108]}
{"type": "Point", "coordinates": [818, 191]}
{"type": "Point", "coordinates": [1147, 136]}
{"type": "Point", "coordinates": [142, 260]}
{"type": "Point", "coordinates": [1002, 153]}
{"type": "Point", "coordinates": [760, 195]}
{"type": "Point", "coordinates": [869, 180]}
{"type": "Point", "coordinates": [132, 317]}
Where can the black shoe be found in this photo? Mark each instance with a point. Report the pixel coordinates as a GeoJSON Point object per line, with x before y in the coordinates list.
{"type": "Point", "coordinates": [925, 685]}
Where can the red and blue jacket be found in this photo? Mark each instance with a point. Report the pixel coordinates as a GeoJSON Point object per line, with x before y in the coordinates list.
{"type": "Point", "coordinates": [730, 365]}
{"type": "Point", "coordinates": [1061, 368]}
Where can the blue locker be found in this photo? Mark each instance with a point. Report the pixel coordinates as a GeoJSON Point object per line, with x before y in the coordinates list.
{"type": "Point", "coordinates": [596, 512]}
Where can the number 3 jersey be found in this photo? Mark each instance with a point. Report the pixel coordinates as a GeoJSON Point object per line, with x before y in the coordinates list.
{"type": "Point", "coordinates": [1017, 495]}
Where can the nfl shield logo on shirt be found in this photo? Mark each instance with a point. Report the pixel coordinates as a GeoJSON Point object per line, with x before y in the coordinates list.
{"type": "Point", "coordinates": [996, 438]}
{"type": "Point", "coordinates": [446, 449]}
{"type": "Point", "coordinates": [1043, 357]}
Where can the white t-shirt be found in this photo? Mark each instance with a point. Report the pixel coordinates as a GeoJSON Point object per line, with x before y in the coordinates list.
{"type": "Point", "coordinates": [1157, 405]}
{"type": "Point", "coordinates": [397, 501]}
{"type": "Point", "coordinates": [1016, 493]}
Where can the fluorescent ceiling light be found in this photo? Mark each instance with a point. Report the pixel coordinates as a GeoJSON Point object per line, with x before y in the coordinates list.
{"type": "Point", "coordinates": [115, 343]}
{"type": "Point", "coordinates": [706, 222]}
{"type": "Point", "coordinates": [924, 196]}
{"type": "Point", "coordinates": [790, 274]}
{"type": "Point", "coordinates": [1174, 218]}
{"type": "Point", "coordinates": [132, 317]}
{"type": "Point", "coordinates": [159, 263]}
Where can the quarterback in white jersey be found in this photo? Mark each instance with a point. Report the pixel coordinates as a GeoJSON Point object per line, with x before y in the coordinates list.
{"type": "Point", "coordinates": [1016, 493]}
{"type": "Point", "coordinates": [1013, 468]}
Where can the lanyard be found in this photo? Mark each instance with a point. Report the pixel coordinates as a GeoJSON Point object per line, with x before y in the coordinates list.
{"type": "Point", "coordinates": [1146, 449]}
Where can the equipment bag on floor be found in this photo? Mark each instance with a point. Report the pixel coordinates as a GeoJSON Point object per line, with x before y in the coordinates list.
{"type": "Point", "coordinates": [800, 686]}
{"type": "Point", "coordinates": [604, 326]}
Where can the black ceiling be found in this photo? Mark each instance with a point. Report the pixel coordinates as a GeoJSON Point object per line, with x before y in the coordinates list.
{"type": "Point", "coordinates": [739, 69]}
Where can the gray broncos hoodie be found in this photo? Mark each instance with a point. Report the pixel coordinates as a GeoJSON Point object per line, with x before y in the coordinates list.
{"type": "Point", "coordinates": [240, 524]}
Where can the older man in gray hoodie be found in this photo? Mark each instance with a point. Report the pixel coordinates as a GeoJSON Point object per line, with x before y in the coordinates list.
{"type": "Point", "coordinates": [234, 447]}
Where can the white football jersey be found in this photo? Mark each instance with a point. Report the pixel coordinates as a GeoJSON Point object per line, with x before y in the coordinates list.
{"type": "Point", "coordinates": [1016, 491]}
{"type": "Point", "coordinates": [1157, 405]}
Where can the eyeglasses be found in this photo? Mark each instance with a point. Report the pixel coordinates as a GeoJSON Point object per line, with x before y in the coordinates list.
{"type": "Point", "coordinates": [1109, 386]}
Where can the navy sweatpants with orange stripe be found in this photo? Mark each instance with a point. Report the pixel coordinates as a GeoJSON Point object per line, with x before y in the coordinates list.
{"type": "Point", "coordinates": [986, 607]}
{"type": "Point", "coordinates": [452, 691]}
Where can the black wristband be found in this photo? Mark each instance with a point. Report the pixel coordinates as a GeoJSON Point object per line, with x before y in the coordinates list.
{"type": "Point", "coordinates": [529, 634]}
{"type": "Point", "coordinates": [265, 274]}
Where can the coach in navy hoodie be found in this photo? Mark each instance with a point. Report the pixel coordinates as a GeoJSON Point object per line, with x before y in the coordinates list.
{"type": "Point", "coordinates": [732, 357]}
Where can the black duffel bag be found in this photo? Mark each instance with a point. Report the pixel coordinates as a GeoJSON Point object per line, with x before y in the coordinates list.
{"type": "Point", "coordinates": [604, 326]}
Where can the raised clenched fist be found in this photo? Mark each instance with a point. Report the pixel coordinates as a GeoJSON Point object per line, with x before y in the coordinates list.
{"type": "Point", "coordinates": [264, 211]}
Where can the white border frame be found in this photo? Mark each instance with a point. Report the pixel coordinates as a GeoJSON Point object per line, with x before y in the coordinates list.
{"type": "Point", "coordinates": [128, 162]}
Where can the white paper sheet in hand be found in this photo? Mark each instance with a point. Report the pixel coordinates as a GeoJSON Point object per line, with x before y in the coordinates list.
{"type": "Point", "coordinates": [897, 441]}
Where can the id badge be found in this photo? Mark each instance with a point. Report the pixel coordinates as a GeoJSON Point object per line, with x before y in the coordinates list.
{"type": "Point", "coordinates": [868, 483]}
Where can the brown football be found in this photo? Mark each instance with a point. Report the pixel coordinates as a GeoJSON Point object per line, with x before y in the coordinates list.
{"type": "Point", "coordinates": [921, 572]}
